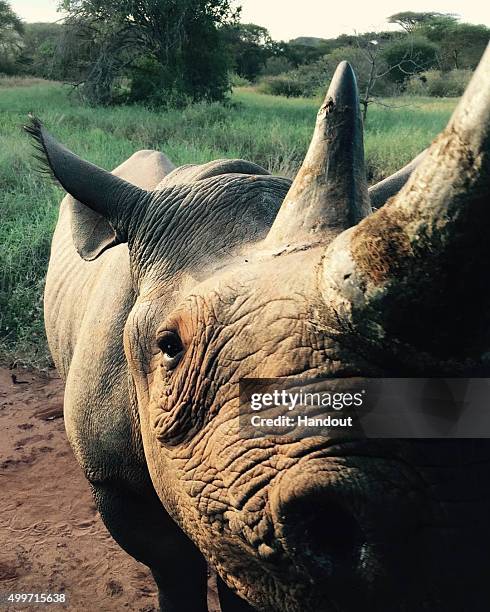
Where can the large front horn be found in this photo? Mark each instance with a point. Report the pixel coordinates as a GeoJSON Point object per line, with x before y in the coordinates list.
{"type": "Point", "coordinates": [417, 270]}
{"type": "Point", "coordinates": [329, 193]}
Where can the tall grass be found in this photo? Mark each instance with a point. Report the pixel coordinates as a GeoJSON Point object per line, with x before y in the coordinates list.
{"type": "Point", "coordinates": [271, 131]}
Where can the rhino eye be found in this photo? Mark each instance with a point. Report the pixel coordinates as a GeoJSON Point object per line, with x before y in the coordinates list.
{"type": "Point", "coordinates": [171, 347]}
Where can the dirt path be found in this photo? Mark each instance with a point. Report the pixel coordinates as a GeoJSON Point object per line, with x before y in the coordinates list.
{"type": "Point", "coordinates": [51, 537]}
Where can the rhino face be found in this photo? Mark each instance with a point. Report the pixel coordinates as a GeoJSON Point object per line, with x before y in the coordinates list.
{"type": "Point", "coordinates": [312, 524]}
{"type": "Point", "coordinates": [239, 275]}
{"type": "Point", "coordinates": [238, 499]}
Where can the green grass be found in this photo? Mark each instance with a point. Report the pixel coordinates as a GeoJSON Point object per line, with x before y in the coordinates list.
{"type": "Point", "coordinates": [270, 131]}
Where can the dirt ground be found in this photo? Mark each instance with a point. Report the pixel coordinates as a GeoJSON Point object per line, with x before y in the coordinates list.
{"type": "Point", "coordinates": [51, 537]}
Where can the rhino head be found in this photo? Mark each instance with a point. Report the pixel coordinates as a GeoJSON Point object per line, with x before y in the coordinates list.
{"type": "Point", "coordinates": [238, 274]}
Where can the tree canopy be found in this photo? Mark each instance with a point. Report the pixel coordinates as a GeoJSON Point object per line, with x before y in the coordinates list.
{"type": "Point", "coordinates": [11, 30]}
{"type": "Point", "coordinates": [9, 22]}
{"type": "Point", "coordinates": [249, 46]}
{"type": "Point", "coordinates": [410, 20]}
{"type": "Point", "coordinates": [179, 51]}
{"type": "Point", "coordinates": [157, 50]}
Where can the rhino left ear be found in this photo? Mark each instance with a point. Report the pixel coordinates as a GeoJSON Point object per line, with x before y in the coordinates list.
{"type": "Point", "coordinates": [103, 203]}
{"type": "Point", "coordinates": [92, 234]}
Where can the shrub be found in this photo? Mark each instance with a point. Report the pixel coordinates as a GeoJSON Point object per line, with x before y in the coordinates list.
{"type": "Point", "coordinates": [276, 65]}
{"type": "Point", "coordinates": [439, 84]}
{"type": "Point", "coordinates": [306, 81]}
{"type": "Point", "coordinates": [280, 85]}
{"type": "Point", "coordinates": [238, 81]}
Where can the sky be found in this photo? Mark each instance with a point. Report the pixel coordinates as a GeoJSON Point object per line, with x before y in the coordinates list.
{"type": "Point", "coordinates": [286, 19]}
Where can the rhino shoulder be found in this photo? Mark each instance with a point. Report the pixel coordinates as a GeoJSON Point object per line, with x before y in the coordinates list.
{"type": "Point", "coordinates": [145, 169]}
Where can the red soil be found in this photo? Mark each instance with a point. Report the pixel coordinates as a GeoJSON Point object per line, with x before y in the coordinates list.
{"type": "Point", "coordinates": [51, 538]}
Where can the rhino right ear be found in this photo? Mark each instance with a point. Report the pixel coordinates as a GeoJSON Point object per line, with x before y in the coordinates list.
{"type": "Point", "coordinates": [104, 203]}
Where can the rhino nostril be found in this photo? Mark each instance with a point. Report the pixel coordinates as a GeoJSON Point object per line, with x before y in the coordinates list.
{"type": "Point", "coordinates": [332, 534]}
{"type": "Point", "coordinates": [320, 533]}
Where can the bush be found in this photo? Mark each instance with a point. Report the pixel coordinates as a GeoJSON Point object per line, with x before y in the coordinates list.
{"type": "Point", "coordinates": [312, 79]}
{"type": "Point", "coordinates": [280, 85]}
{"type": "Point", "coordinates": [306, 81]}
{"type": "Point", "coordinates": [238, 81]}
{"type": "Point", "coordinates": [439, 84]}
{"type": "Point", "coordinates": [276, 65]}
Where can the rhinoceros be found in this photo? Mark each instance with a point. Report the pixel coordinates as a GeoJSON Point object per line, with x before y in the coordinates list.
{"type": "Point", "coordinates": [168, 286]}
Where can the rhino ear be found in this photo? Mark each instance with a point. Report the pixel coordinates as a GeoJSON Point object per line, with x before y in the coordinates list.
{"type": "Point", "coordinates": [103, 203]}
{"type": "Point", "coordinates": [92, 234]}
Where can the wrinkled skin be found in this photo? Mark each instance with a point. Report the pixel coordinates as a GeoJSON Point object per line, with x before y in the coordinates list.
{"type": "Point", "coordinates": [364, 521]}
{"type": "Point", "coordinates": [154, 336]}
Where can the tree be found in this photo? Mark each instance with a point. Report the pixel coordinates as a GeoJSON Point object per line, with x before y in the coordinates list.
{"type": "Point", "coordinates": [380, 65]}
{"type": "Point", "coordinates": [411, 21]}
{"type": "Point", "coordinates": [460, 45]}
{"type": "Point", "coordinates": [40, 54]}
{"type": "Point", "coordinates": [409, 56]}
{"type": "Point", "coordinates": [465, 44]}
{"type": "Point", "coordinates": [160, 51]}
{"type": "Point", "coordinates": [305, 50]}
{"type": "Point", "coordinates": [277, 64]}
{"type": "Point", "coordinates": [250, 46]}
{"type": "Point", "coordinates": [368, 65]}
{"type": "Point", "coordinates": [11, 30]}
